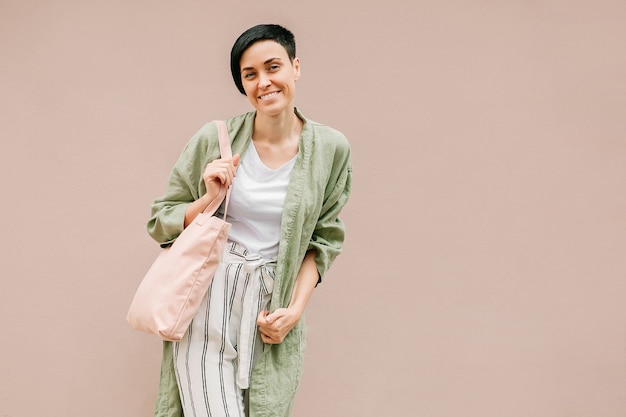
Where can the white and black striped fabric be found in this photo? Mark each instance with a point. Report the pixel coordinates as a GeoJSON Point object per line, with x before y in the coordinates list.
{"type": "Point", "coordinates": [214, 359]}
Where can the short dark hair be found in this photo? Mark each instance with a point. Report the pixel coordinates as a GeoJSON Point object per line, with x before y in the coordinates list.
{"type": "Point", "coordinates": [258, 33]}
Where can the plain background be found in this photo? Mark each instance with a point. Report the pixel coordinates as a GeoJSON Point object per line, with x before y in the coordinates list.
{"type": "Point", "coordinates": [484, 272]}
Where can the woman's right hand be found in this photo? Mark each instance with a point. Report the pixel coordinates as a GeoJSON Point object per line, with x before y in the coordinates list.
{"type": "Point", "coordinates": [220, 172]}
{"type": "Point", "coordinates": [217, 173]}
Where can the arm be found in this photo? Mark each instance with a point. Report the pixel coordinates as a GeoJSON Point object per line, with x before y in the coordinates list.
{"type": "Point", "coordinates": [191, 186]}
{"type": "Point", "coordinates": [275, 326]}
{"type": "Point", "coordinates": [325, 244]}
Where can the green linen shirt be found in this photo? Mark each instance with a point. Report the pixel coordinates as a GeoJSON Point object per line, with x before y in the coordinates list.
{"type": "Point", "coordinates": [318, 189]}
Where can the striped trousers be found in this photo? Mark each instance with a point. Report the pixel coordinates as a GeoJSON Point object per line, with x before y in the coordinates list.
{"type": "Point", "coordinates": [214, 359]}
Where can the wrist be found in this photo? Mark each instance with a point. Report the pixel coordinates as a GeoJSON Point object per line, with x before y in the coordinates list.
{"type": "Point", "coordinates": [211, 194]}
{"type": "Point", "coordinates": [296, 311]}
{"type": "Point", "coordinates": [206, 200]}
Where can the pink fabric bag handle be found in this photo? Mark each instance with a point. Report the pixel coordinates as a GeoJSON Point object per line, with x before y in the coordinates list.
{"type": "Point", "coordinates": [226, 153]}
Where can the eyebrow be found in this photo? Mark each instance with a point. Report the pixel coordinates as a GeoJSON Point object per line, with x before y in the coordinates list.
{"type": "Point", "coordinates": [265, 63]}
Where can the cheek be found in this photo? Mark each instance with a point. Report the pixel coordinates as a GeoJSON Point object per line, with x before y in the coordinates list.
{"type": "Point", "coordinates": [247, 88]}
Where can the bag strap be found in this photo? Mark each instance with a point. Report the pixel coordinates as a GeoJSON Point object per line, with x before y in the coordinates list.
{"type": "Point", "coordinates": [225, 152]}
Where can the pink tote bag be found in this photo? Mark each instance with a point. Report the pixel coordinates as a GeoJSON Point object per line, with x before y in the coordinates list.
{"type": "Point", "coordinates": [169, 295]}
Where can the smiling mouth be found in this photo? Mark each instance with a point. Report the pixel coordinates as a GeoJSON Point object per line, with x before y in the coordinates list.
{"type": "Point", "coordinates": [269, 95]}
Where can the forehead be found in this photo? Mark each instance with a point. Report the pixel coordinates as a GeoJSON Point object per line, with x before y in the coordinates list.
{"type": "Point", "coordinates": [261, 51]}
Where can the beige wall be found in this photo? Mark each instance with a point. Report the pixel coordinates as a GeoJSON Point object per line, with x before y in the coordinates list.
{"type": "Point", "coordinates": [484, 271]}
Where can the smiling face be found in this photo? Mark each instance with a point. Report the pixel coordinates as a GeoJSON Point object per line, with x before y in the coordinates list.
{"type": "Point", "coordinates": [269, 77]}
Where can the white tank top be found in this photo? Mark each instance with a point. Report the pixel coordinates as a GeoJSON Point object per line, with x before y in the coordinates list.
{"type": "Point", "coordinates": [256, 204]}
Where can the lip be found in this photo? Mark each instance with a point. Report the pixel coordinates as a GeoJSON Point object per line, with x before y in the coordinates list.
{"type": "Point", "coordinates": [269, 95]}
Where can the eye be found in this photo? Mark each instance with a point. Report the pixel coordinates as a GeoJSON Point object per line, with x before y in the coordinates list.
{"type": "Point", "coordinates": [274, 67]}
{"type": "Point", "coordinates": [249, 75]}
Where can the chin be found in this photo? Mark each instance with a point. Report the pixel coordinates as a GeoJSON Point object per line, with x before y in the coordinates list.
{"type": "Point", "coordinates": [271, 109]}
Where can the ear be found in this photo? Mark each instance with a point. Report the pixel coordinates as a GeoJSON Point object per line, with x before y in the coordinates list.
{"type": "Point", "coordinates": [296, 68]}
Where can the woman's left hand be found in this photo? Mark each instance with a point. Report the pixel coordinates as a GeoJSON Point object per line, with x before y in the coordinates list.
{"type": "Point", "coordinates": [275, 327]}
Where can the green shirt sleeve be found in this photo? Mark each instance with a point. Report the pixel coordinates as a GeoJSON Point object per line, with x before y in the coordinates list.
{"type": "Point", "coordinates": [329, 233]}
{"type": "Point", "coordinates": [185, 185]}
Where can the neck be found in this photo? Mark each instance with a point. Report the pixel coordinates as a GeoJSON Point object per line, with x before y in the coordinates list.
{"type": "Point", "coordinates": [276, 129]}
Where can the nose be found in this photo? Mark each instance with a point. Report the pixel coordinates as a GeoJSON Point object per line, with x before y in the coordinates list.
{"type": "Point", "coordinates": [264, 81]}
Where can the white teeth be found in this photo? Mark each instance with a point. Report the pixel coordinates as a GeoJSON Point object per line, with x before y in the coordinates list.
{"type": "Point", "coordinates": [269, 95]}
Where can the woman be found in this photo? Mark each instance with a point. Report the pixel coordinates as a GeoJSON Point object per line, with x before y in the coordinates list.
{"type": "Point", "coordinates": [243, 353]}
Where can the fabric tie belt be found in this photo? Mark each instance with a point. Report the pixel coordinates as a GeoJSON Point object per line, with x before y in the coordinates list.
{"type": "Point", "coordinates": [257, 296]}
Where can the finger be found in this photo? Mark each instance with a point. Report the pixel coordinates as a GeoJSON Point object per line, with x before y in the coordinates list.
{"type": "Point", "coordinates": [271, 318]}
{"type": "Point", "coordinates": [229, 174]}
{"type": "Point", "coordinates": [260, 320]}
